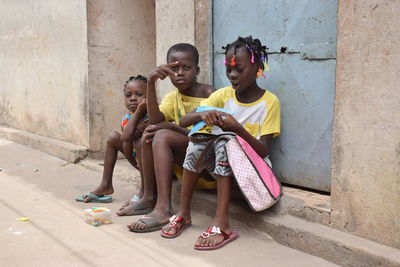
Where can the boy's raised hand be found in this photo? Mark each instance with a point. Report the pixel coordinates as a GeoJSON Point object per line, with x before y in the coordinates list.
{"type": "Point", "coordinates": [162, 72]}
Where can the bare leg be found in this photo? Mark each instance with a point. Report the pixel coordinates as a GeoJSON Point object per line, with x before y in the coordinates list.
{"type": "Point", "coordinates": [113, 145]}
{"type": "Point", "coordinates": [138, 147]}
{"type": "Point", "coordinates": [169, 147]}
{"type": "Point", "coordinates": [188, 187]}
{"type": "Point", "coordinates": [221, 215]}
{"type": "Point", "coordinates": [148, 198]}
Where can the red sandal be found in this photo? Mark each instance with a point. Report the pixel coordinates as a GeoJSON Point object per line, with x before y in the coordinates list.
{"type": "Point", "coordinates": [214, 230]}
{"type": "Point", "coordinates": [173, 223]}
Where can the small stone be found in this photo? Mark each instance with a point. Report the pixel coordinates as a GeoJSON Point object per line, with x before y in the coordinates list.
{"type": "Point", "coordinates": [35, 170]}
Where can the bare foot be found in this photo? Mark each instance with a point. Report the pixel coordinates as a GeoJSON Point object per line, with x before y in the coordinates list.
{"type": "Point", "coordinates": [211, 238]}
{"type": "Point", "coordinates": [136, 208]}
{"type": "Point", "coordinates": [101, 190]}
{"type": "Point", "coordinates": [131, 200]}
{"type": "Point", "coordinates": [176, 225]}
{"type": "Point", "coordinates": [148, 223]}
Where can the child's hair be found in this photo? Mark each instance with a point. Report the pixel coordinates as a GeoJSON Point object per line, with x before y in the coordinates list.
{"type": "Point", "coordinates": [136, 78]}
{"type": "Point", "coordinates": [254, 47]}
{"type": "Point", "coordinates": [184, 47]}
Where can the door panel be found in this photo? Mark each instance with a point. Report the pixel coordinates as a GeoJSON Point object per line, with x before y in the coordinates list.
{"type": "Point", "coordinates": [301, 36]}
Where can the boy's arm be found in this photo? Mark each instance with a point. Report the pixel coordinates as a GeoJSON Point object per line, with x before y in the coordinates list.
{"type": "Point", "coordinates": [161, 72]}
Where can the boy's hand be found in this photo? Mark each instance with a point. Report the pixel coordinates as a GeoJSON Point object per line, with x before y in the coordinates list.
{"type": "Point", "coordinates": [151, 130]}
{"type": "Point", "coordinates": [162, 72]}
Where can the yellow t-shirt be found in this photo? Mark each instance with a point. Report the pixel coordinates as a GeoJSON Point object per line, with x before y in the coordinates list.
{"type": "Point", "coordinates": [174, 106]}
{"type": "Point", "coordinates": [259, 118]}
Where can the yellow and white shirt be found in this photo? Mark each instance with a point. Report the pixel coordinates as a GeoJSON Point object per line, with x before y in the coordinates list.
{"type": "Point", "coordinates": [259, 118]}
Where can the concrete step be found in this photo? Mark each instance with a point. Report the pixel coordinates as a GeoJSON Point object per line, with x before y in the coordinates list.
{"type": "Point", "coordinates": [64, 150]}
{"type": "Point", "coordinates": [299, 220]}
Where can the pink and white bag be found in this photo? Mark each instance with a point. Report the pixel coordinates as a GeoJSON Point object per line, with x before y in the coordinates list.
{"type": "Point", "coordinates": [254, 176]}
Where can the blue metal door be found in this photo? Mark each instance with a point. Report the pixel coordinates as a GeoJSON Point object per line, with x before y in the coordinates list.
{"type": "Point", "coordinates": [301, 36]}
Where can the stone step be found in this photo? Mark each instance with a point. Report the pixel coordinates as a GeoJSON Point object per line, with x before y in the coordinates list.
{"type": "Point", "coordinates": [299, 220]}
{"type": "Point", "coordinates": [64, 150]}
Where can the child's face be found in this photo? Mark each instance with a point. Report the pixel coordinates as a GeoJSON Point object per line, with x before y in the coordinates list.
{"type": "Point", "coordinates": [134, 93]}
{"type": "Point", "coordinates": [244, 73]}
{"type": "Point", "coordinates": [185, 72]}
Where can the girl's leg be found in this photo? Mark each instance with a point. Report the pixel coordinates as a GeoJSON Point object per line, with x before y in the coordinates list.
{"type": "Point", "coordinates": [221, 215]}
{"type": "Point", "coordinates": [138, 146]}
{"type": "Point", "coordinates": [169, 147]}
{"type": "Point", "coordinates": [113, 144]}
{"type": "Point", "coordinates": [148, 178]}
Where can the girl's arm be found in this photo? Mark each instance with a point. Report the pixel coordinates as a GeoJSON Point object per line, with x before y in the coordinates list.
{"type": "Point", "coordinates": [210, 117]}
{"type": "Point", "coordinates": [127, 133]}
{"type": "Point", "coordinates": [161, 72]}
{"type": "Point", "coordinates": [262, 146]}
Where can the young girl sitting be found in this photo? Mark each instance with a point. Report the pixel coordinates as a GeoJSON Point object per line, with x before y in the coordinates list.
{"type": "Point", "coordinates": [256, 118]}
{"type": "Point", "coordinates": [132, 127]}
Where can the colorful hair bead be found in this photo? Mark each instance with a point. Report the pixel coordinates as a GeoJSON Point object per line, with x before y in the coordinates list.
{"type": "Point", "coordinates": [225, 61]}
{"type": "Point", "coordinates": [260, 72]}
{"type": "Point", "coordinates": [266, 66]}
{"type": "Point", "coordinates": [252, 53]}
{"type": "Point", "coordinates": [233, 62]}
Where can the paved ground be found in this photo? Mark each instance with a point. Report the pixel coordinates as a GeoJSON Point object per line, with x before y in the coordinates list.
{"type": "Point", "coordinates": [42, 187]}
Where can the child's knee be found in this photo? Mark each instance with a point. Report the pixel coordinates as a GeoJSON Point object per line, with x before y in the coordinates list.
{"type": "Point", "coordinates": [138, 143]}
{"type": "Point", "coordinates": [113, 137]}
{"type": "Point", "coordinates": [162, 136]}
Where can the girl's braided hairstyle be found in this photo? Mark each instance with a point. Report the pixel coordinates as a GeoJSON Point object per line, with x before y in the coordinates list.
{"type": "Point", "coordinates": [136, 78]}
{"type": "Point", "coordinates": [254, 48]}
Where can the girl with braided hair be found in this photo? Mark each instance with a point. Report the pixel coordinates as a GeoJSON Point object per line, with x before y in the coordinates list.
{"type": "Point", "coordinates": [256, 119]}
{"type": "Point", "coordinates": [132, 127]}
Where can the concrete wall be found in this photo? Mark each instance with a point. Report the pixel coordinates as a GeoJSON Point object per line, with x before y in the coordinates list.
{"type": "Point", "coordinates": [366, 162]}
{"type": "Point", "coordinates": [121, 44]}
{"type": "Point", "coordinates": [174, 24]}
{"type": "Point", "coordinates": [43, 68]}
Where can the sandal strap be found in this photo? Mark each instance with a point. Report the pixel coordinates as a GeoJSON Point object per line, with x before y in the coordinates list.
{"type": "Point", "coordinates": [174, 220]}
{"type": "Point", "coordinates": [214, 230]}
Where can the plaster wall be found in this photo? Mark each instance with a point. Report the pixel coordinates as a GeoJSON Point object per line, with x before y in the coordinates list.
{"type": "Point", "coordinates": [43, 68]}
{"type": "Point", "coordinates": [366, 159]}
{"type": "Point", "coordinates": [121, 44]}
{"type": "Point", "coordinates": [175, 23]}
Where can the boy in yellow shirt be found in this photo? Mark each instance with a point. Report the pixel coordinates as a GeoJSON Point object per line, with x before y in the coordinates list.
{"type": "Point", "coordinates": [164, 142]}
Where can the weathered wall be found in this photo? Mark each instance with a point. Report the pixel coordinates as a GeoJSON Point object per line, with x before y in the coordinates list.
{"type": "Point", "coordinates": [366, 162]}
{"type": "Point", "coordinates": [121, 44]}
{"type": "Point", "coordinates": [204, 39]}
{"type": "Point", "coordinates": [43, 68]}
{"type": "Point", "coordinates": [174, 24]}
